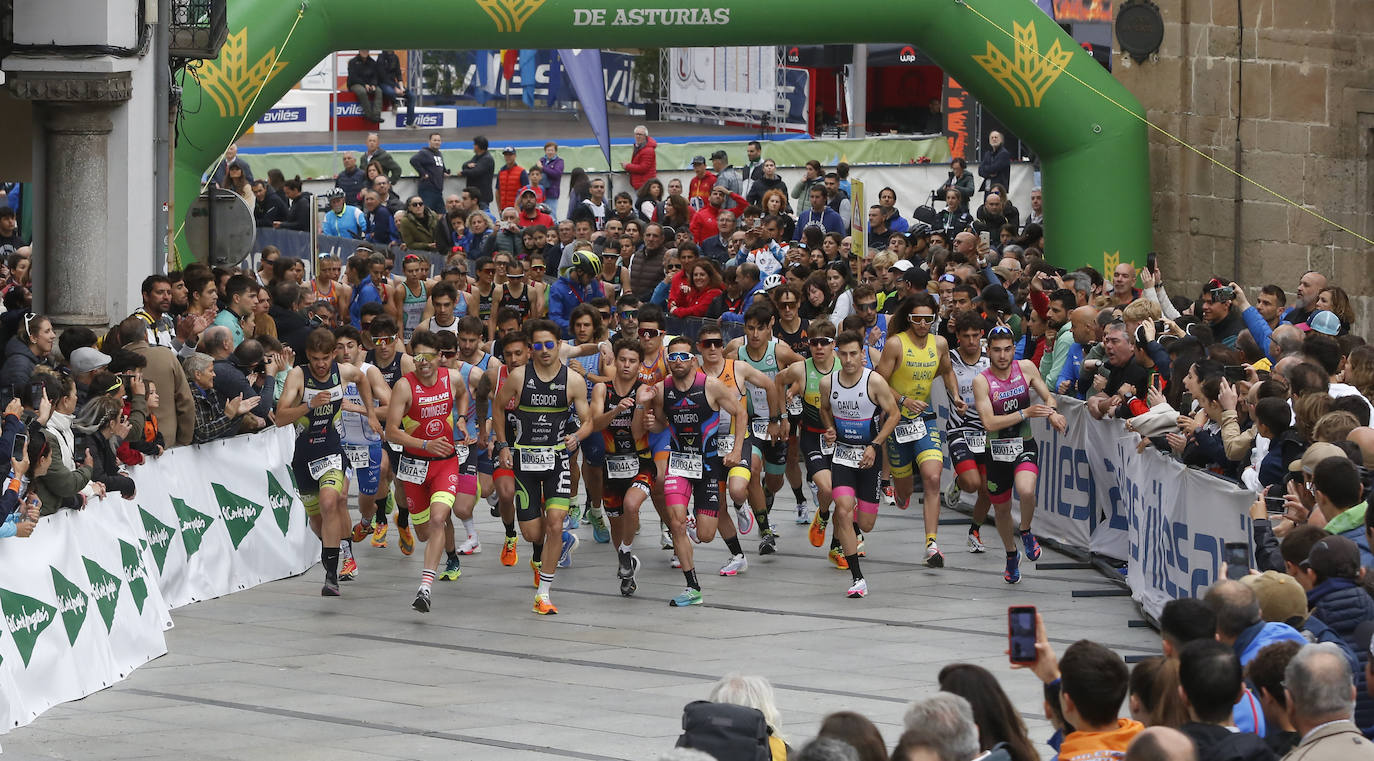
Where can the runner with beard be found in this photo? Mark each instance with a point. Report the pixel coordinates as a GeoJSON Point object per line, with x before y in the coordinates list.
{"type": "Point", "coordinates": [964, 434]}
{"type": "Point", "coordinates": [388, 356]}
{"type": "Point", "coordinates": [628, 464]}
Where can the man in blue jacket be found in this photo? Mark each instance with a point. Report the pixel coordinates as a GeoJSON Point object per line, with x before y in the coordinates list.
{"type": "Point", "coordinates": [1239, 623]}
{"type": "Point", "coordinates": [747, 275]}
{"type": "Point", "coordinates": [577, 285]}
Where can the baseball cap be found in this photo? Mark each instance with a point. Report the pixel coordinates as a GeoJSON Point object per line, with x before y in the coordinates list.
{"type": "Point", "coordinates": [507, 149]}
{"type": "Point", "coordinates": [917, 277]}
{"type": "Point", "coordinates": [528, 189]}
{"type": "Point", "coordinates": [902, 265]}
{"type": "Point", "coordinates": [698, 160]}
{"type": "Point", "coordinates": [1281, 597]}
{"type": "Point", "coordinates": [1325, 322]}
{"type": "Point", "coordinates": [1334, 557]}
{"type": "Point", "coordinates": [86, 359]}
{"type": "Point", "coordinates": [1315, 454]}
{"type": "Point", "coordinates": [719, 154]}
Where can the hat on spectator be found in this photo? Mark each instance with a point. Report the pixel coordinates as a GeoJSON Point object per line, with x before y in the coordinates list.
{"type": "Point", "coordinates": [1315, 454]}
{"type": "Point", "coordinates": [1325, 322]}
{"type": "Point", "coordinates": [1281, 597]}
{"type": "Point", "coordinates": [507, 149]}
{"type": "Point", "coordinates": [917, 277]}
{"type": "Point", "coordinates": [902, 265]}
{"type": "Point", "coordinates": [698, 160]}
{"type": "Point", "coordinates": [1334, 557]}
{"type": "Point", "coordinates": [719, 155]}
{"type": "Point", "coordinates": [528, 189]}
{"type": "Point", "coordinates": [86, 359]}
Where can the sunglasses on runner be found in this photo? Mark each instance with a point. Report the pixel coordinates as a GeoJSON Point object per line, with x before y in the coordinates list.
{"type": "Point", "coordinates": [425, 356]}
{"type": "Point", "coordinates": [650, 333]}
{"type": "Point", "coordinates": [448, 354]}
{"type": "Point", "coordinates": [384, 339]}
{"type": "Point", "coordinates": [924, 319]}
{"type": "Point", "coordinates": [544, 345]}
{"type": "Point", "coordinates": [711, 343]}
{"type": "Point", "coordinates": [820, 341]}
{"type": "Point", "coordinates": [605, 315]}
{"type": "Point", "coordinates": [680, 356]}
{"type": "Point", "coordinates": [866, 306]}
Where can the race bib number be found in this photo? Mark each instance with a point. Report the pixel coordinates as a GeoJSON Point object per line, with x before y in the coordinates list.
{"type": "Point", "coordinates": [325, 464]}
{"type": "Point", "coordinates": [725, 443]}
{"type": "Point", "coordinates": [461, 452]}
{"type": "Point", "coordinates": [1007, 450]}
{"type": "Point", "coordinates": [794, 406]}
{"type": "Point", "coordinates": [684, 464]}
{"type": "Point", "coordinates": [759, 428]}
{"type": "Point", "coordinates": [848, 455]}
{"type": "Point", "coordinates": [536, 459]}
{"type": "Point", "coordinates": [412, 470]}
{"type": "Point", "coordinates": [827, 447]}
{"type": "Point", "coordinates": [358, 457]}
{"type": "Point", "coordinates": [977, 441]}
{"type": "Point", "coordinates": [911, 430]}
{"type": "Point", "coordinates": [622, 467]}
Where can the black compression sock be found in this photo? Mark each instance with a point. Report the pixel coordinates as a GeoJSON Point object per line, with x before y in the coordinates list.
{"type": "Point", "coordinates": [380, 517]}
{"type": "Point", "coordinates": [538, 552]}
{"type": "Point", "coordinates": [1011, 554]}
{"type": "Point", "coordinates": [330, 557]}
{"type": "Point", "coordinates": [834, 541]}
{"type": "Point", "coordinates": [762, 519]}
{"type": "Point", "coordinates": [857, 530]}
{"type": "Point", "coordinates": [974, 526]}
{"type": "Point", "coordinates": [691, 577]}
{"type": "Point", "coordinates": [733, 544]}
{"type": "Point", "coordinates": [854, 566]}
{"type": "Point", "coordinates": [797, 492]}
{"type": "Point", "coordinates": [402, 518]}
{"type": "Point", "coordinates": [510, 527]}
{"type": "Point", "coordinates": [452, 556]}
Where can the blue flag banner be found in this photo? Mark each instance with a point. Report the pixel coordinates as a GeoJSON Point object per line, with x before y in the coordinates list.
{"type": "Point", "coordinates": [528, 60]}
{"type": "Point", "coordinates": [583, 67]}
{"type": "Point", "coordinates": [488, 71]}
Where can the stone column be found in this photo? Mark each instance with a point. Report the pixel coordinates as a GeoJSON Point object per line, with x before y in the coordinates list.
{"type": "Point", "coordinates": [71, 262]}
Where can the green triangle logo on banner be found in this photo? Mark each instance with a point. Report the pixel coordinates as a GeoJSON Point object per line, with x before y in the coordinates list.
{"type": "Point", "coordinates": [159, 537]}
{"type": "Point", "coordinates": [281, 501]}
{"type": "Point", "coordinates": [72, 603]}
{"type": "Point", "coordinates": [26, 618]}
{"type": "Point", "coordinates": [105, 590]}
{"type": "Point", "coordinates": [240, 514]}
{"type": "Point", "coordinates": [194, 524]}
{"type": "Point", "coordinates": [133, 571]}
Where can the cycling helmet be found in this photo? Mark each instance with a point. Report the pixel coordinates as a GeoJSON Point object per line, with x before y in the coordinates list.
{"type": "Point", "coordinates": [586, 261]}
{"type": "Point", "coordinates": [335, 192]}
{"type": "Point", "coordinates": [772, 281]}
{"type": "Point", "coordinates": [918, 230]}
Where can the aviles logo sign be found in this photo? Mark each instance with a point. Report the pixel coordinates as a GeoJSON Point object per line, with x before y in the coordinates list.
{"type": "Point", "coordinates": [283, 114]}
{"type": "Point", "coordinates": [352, 108]}
{"type": "Point", "coordinates": [421, 120]}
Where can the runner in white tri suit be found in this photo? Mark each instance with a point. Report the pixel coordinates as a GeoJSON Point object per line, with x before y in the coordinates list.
{"type": "Point", "coordinates": [964, 434]}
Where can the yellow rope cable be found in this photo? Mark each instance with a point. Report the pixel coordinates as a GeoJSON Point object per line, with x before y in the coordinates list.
{"type": "Point", "coordinates": [1161, 130]}
{"type": "Point", "coordinates": [300, 13]}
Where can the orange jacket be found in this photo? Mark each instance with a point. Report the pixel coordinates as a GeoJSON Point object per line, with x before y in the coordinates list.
{"type": "Point", "coordinates": [1100, 746]}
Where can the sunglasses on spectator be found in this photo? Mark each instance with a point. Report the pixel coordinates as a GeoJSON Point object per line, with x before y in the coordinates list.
{"type": "Point", "coordinates": [544, 345]}
{"type": "Point", "coordinates": [630, 314]}
{"type": "Point", "coordinates": [711, 343]}
{"type": "Point", "coordinates": [650, 333]}
{"type": "Point", "coordinates": [605, 315]}
{"type": "Point", "coordinates": [680, 356]}
{"type": "Point", "coordinates": [488, 270]}
{"type": "Point", "coordinates": [672, 268]}
{"type": "Point", "coordinates": [820, 341]}
{"type": "Point", "coordinates": [416, 203]}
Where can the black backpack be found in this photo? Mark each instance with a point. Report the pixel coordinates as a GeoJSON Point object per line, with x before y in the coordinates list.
{"type": "Point", "coordinates": [726, 731]}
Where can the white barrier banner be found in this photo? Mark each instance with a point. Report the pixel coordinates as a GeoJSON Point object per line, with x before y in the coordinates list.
{"type": "Point", "coordinates": [81, 609]}
{"type": "Point", "coordinates": [224, 516]}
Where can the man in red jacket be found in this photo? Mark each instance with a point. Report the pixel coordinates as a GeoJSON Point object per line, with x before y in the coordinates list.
{"type": "Point", "coordinates": [703, 223]}
{"type": "Point", "coordinates": [509, 180]}
{"type": "Point", "coordinates": [643, 164]}
{"type": "Point", "coordinates": [530, 213]}
{"type": "Point", "coordinates": [702, 182]}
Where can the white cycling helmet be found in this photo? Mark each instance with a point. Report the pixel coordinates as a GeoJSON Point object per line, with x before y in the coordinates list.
{"type": "Point", "coordinates": [772, 281]}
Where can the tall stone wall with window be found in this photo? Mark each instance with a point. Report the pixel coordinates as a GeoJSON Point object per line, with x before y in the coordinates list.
{"type": "Point", "coordinates": [1295, 80]}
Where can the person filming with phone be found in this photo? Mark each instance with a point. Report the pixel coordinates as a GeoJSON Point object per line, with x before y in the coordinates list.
{"type": "Point", "coordinates": [1217, 304]}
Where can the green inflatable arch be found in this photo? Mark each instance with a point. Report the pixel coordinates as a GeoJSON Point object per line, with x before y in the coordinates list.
{"type": "Point", "coordinates": [1042, 85]}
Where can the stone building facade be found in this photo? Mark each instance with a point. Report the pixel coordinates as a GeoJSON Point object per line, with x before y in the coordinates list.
{"type": "Point", "coordinates": [1295, 81]}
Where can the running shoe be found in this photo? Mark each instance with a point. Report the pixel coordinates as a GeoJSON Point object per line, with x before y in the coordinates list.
{"type": "Point", "coordinates": [471, 546]}
{"type": "Point", "coordinates": [837, 557]}
{"type": "Point", "coordinates": [934, 557]}
{"type": "Point", "coordinates": [689, 596]}
{"type": "Point", "coordinates": [330, 589]}
{"type": "Point", "coordinates": [570, 542]}
{"type": "Point", "coordinates": [509, 555]}
{"type": "Point", "coordinates": [421, 601]}
{"type": "Point", "coordinates": [535, 566]}
{"type": "Point", "coordinates": [348, 570]}
{"type": "Point", "coordinates": [379, 535]}
{"type": "Point", "coordinates": [975, 541]}
{"type": "Point", "coordinates": [543, 606]}
{"type": "Point", "coordinates": [816, 534]}
{"type": "Point", "coordinates": [692, 529]}
{"type": "Point", "coordinates": [859, 546]}
{"type": "Point", "coordinates": [675, 562]}
{"type": "Point", "coordinates": [1031, 544]}
{"type": "Point", "coordinates": [858, 589]}
{"type": "Point", "coordinates": [769, 544]}
{"type": "Point", "coordinates": [744, 519]}
{"type": "Point", "coordinates": [601, 534]}
{"type": "Point", "coordinates": [666, 539]}
{"type": "Point", "coordinates": [951, 496]}
{"type": "Point", "coordinates": [361, 530]}
{"type": "Point", "coordinates": [573, 518]}
{"type": "Point", "coordinates": [1013, 573]}
{"type": "Point", "coordinates": [802, 517]}
{"type": "Point", "coordinates": [628, 582]}
{"type": "Point", "coordinates": [736, 565]}
{"type": "Point", "coordinates": [452, 570]}
{"type": "Point", "coordinates": [407, 539]}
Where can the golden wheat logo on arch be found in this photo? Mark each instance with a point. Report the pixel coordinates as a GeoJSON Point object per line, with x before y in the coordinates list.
{"type": "Point", "coordinates": [230, 82]}
{"type": "Point", "coordinates": [509, 15]}
{"type": "Point", "coordinates": [1028, 74]}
